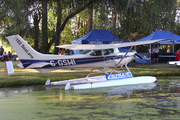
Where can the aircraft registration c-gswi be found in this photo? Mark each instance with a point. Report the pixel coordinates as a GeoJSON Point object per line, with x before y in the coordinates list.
{"type": "Point", "coordinates": [101, 57]}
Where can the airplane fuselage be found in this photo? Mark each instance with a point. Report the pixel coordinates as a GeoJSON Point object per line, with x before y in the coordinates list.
{"type": "Point", "coordinates": [96, 57]}
{"type": "Point", "coordinates": [87, 60]}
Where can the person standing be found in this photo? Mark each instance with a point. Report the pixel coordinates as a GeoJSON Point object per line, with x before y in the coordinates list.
{"type": "Point", "coordinates": [151, 54]}
{"type": "Point", "coordinates": [155, 51]}
{"type": "Point", "coordinates": [1, 51]}
{"type": "Point", "coordinates": [178, 55]}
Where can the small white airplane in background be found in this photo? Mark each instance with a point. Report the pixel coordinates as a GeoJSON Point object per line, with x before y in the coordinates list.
{"type": "Point", "coordinates": [176, 63]}
{"type": "Point", "coordinates": [102, 57]}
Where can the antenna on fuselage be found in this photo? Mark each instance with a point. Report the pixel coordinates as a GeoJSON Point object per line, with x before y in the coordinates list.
{"type": "Point", "coordinates": [99, 42]}
{"type": "Point", "coordinates": [95, 43]}
{"type": "Point", "coordinates": [91, 42]}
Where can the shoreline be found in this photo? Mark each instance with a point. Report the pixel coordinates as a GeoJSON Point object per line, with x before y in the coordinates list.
{"type": "Point", "coordinates": [28, 77]}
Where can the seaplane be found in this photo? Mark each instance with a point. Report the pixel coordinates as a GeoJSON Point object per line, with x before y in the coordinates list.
{"type": "Point", "coordinates": [104, 57]}
{"type": "Point", "coordinates": [176, 63]}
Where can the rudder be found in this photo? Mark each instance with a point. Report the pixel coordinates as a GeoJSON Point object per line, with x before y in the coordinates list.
{"type": "Point", "coordinates": [22, 48]}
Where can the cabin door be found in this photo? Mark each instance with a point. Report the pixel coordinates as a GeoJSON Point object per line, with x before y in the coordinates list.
{"type": "Point", "coordinates": [108, 58]}
{"type": "Point", "coordinates": [97, 60]}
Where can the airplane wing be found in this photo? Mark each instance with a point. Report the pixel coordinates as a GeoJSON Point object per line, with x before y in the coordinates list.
{"type": "Point", "coordinates": [105, 46]}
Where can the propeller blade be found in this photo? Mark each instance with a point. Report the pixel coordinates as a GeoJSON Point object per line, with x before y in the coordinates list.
{"type": "Point", "coordinates": [139, 56]}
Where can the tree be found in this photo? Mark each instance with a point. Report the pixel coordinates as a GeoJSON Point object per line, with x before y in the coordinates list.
{"type": "Point", "coordinates": [114, 20]}
{"type": "Point", "coordinates": [17, 21]}
{"type": "Point", "coordinates": [134, 18]}
{"type": "Point", "coordinates": [14, 17]}
{"type": "Point", "coordinates": [90, 18]}
{"type": "Point", "coordinates": [44, 28]}
{"type": "Point", "coordinates": [144, 16]}
{"type": "Point", "coordinates": [77, 9]}
{"type": "Point", "coordinates": [36, 20]}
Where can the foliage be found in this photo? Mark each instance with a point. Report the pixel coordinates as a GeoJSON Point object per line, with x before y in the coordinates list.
{"type": "Point", "coordinates": [14, 17]}
{"type": "Point", "coordinates": [143, 17]}
{"type": "Point", "coordinates": [67, 19]}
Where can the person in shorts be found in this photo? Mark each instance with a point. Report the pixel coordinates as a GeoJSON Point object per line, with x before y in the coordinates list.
{"type": "Point", "coordinates": [155, 51]}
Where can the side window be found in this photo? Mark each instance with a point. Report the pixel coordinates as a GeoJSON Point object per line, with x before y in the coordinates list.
{"type": "Point", "coordinates": [117, 50]}
{"type": "Point", "coordinates": [96, 53]}
{"type": "Point", "coordinates": [108, 51]}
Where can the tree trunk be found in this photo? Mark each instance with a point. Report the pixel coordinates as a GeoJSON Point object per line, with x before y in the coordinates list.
{"type": "Point", "coordinates": [44, 44]}
{"type": "Point", "coordinates": [36, 19]}
{"type": "Point", "coordinates": [78, 25]}
{"type": "Point", "coordinates": [114, 21]}
{"type": "Point", "coordinates": [58, 31]}
{"type": "Point", "coordinates": [90, 18]}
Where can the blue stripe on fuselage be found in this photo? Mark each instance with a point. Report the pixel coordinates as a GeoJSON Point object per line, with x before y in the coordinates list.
{"type": "Point", "coordinates": [70, 62]}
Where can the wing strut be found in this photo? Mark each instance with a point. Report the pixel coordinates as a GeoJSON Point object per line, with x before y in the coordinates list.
{"type": "Point", "coordinates": [101, 69]}
{"type": "Point", "coordinates": [122, 59]}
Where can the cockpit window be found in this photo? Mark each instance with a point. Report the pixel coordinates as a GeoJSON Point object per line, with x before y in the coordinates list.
{"type": "Point", "coordinates": [85, 52]}
{"type": "Point", "coordinates": [117, 50]}
{"type": "Point", "coordinates": [108, 51]}
{"type": "Point", "coordinates": [124, 49]}
{"type": "Point", "coordinates": [96, 53]}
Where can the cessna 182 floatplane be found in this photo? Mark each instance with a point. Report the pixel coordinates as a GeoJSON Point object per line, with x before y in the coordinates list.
{"type": "Point", "coordinates": [102, 57]}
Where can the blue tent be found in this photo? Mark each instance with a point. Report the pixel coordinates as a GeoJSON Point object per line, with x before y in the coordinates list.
{"type": "Point", "coordinates": [170, 37]}
{"type": "Point", "coordinates": [97, 37]}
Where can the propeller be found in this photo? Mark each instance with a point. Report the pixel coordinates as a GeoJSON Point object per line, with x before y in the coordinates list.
{"type": "Point", "coordinates": [138, 56]}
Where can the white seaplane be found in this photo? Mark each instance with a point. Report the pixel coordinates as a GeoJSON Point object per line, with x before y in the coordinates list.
{"type": "Point", "coordinates": [104, 57]}
{"type": "Point", "coordinates": [176, 63]}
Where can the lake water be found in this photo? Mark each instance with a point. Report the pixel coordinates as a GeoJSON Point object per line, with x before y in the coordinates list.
{"type": "Point", "coordinates": [145, 101]}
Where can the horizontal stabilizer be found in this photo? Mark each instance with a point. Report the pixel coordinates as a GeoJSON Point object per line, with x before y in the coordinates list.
{"type": "Point", "coordinates": [38, 65]}
{"type": "Point", "coordinates": [20, 65]}
{"type": "Point", "coordinates": [45, 70]}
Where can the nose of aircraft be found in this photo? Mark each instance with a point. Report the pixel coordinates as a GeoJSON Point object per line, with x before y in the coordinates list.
{"type": "Point", "coordinates": [138, 56]}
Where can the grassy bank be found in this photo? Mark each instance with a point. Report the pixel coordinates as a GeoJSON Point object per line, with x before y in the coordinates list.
{"type": "Point", "coordinates": [23, 77]}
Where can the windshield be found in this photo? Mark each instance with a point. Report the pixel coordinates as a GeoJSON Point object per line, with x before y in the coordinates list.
{"type": "Point", "coordinates": [84, 52]}
{"type": "Point", "coordinates": [108, 51]}
{"type": "Point", "coordinates": [96, 53]}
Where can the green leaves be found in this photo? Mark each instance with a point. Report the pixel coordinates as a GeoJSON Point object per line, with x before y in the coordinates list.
{"type": "Point", "coordinates": [68, 18]}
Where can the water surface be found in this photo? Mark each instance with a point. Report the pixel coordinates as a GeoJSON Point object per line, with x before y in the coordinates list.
{"type": "Point", "coordinates": [145, 101]}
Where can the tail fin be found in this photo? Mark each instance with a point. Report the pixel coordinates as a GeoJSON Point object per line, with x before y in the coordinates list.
{"type": "Point", "coordinates": [29, 57]}
{"type": "Point", "coordinates": [22, 48]}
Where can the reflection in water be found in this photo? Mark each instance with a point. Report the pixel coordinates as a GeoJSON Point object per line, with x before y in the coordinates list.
{"type": "Point", "coordinates": [8, 92]}
{"type": "Point", "coordinates": [132, 91]}
{"type": "Point", "coordinates": [143, 101]}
